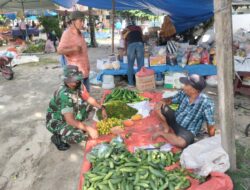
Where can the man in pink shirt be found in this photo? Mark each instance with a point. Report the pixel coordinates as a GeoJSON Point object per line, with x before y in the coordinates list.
{"type": "Point", "coordinates": [74, 47]}
{"type": "Point", "coordinates": [22, 27]}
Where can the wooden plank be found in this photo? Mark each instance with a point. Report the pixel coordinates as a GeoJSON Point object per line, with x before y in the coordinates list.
{"type": "Point", "coordinates": [224, 58]}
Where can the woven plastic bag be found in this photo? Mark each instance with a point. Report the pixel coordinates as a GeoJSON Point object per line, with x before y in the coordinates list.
{"type": "Point", "coordinates": [206, 156]}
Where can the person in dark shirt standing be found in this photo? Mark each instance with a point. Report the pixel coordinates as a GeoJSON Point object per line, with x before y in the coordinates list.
{"type": "Point", "coordinates": [135, 49]}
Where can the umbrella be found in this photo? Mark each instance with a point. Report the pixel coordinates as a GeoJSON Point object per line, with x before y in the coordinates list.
{"type": "Point", "coordinates": [17, 5]}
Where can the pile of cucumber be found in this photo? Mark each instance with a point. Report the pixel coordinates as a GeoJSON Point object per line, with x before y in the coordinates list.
{"type": "Point", "coordinates": [144, 170]}
{"type": "Point", "coordinates": [124, 95]}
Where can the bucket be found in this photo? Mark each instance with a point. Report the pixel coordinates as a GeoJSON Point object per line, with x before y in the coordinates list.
{"type": "Point", "coordinates": [108, 82]}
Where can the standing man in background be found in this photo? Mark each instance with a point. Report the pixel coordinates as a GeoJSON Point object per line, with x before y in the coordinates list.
{"type": "Point", "coordinates": [135, 49]}
{"type": "Point", "coordinates": [22, 27]}
{"type": "Point", "coordinates": [74, 47]}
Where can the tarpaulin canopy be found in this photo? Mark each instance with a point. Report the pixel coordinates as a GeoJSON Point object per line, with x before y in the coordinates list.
{"type": "Point", "coordinates": [11, 16]}
{"type": "Point", "coordinates": [184, 14]}
{"type": "Point", "coordinates": [17, 5]}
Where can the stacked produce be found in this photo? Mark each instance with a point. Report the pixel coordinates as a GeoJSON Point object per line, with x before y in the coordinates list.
{"type": "Point", "coordinates": [124, 95]}
{"type": "Point", "coordinates": [36, 47]}
{"type": "Point", "coordinates": [114, 168]}
{"type": "Point", "coordinates": [158, 158]}
{"type": "Point", "coordinates": [104, 126]}
{"type": "Point", "coordinates": [117, 109]}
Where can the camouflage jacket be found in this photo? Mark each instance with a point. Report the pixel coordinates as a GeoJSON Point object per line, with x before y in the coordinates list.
{"type": "Point", "coordinates": [66, 100]}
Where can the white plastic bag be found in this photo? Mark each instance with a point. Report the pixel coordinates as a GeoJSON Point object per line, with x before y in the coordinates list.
{"type": "Point", "coordinates": [205, 156]}
{"type": "Point", "coordinates": [143, 107]}
{"type": "Point", "coordinates": [212, 81]}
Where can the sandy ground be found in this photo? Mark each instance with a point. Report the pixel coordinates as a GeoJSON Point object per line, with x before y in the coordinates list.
{"type": "Point", "coordinates": [28, 159]}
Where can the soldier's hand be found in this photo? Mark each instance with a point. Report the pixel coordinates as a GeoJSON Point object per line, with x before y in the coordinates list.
{"type": "Point", "coordinates": [104, 114]}
{"type": "Point", "coordinates": [93, 133]}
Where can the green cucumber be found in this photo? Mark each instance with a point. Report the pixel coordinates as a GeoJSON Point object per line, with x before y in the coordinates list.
{"type": "Point", "coordinates": [156, 172]}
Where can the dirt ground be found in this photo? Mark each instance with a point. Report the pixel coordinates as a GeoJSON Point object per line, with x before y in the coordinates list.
{"type": "Point", "coordinates": [28, 159]}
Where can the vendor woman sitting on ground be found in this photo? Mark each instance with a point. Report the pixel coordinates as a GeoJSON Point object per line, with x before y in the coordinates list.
{"type": "Point", "coordinates": [67, 110]}
{"type": "Point", "coordinates": [195, 108]}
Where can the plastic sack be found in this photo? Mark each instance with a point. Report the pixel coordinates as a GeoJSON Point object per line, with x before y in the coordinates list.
{"type": "Point", "coordinates": [108, 66]}
{"type": "Point", "coordinates": [116, 65]}
{"type": "Point", "coordinates": [142, 107]}
{"type": "Point", "coordinates": [216, 181]}
{"type": "Point", "coordinates": [205, 156]}
{"type": "Point", "coordinates": [117, 142]}
{"type": "Point", "coordinates": [145, 72]}
{"type": "Point", "coordinates": [100, 63]}
{"type": "Point", "coordinates": [99, 151]}
{"type": "Point", "coordinates": [49, 47]}
{"type": "Point", "coordinates": [194, 58]}
{"type": "Point", "coordinates": [205, 57]}
{"type": "Point", "coordinates": [212, 81]}
{"type": "Point", "coordinates": [93, 78]}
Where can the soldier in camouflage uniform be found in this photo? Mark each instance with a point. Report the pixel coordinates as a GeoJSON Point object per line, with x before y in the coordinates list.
{"type": "Point", "coordinates": [67, 110]}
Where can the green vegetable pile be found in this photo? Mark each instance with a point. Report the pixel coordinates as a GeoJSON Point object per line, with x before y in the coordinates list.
{"type": "Point", "coordinates": [35, 47]}
{"type": "Point", "coordinates": [117, 109]}
{"type": "Point", "coordinates": [118, 169]}
{"type": "Point", "coordinates": [124, 95]}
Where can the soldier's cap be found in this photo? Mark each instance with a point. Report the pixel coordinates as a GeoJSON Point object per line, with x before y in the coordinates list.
{"type": "Point", "coordinates": [76, 15]}
{"type": "Point", "coordinates": [72, 74]}
{"type": "Point", "coordinates": [196, 81]}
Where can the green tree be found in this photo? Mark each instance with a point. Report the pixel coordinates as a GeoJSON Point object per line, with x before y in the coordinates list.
{"type": "Point", "coordinates": [137, 14]}
{"type": "Point", "coordinates": [51, 24]}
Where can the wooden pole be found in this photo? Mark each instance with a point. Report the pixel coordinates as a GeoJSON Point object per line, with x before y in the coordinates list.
{"type": "Point", "coordinates": [113, 26]}
{"type": "Point", "coordinates": [224, 59]}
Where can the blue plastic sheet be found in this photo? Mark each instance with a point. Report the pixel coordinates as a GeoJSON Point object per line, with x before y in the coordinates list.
{"type": "Point", "coordinates": [201, 69]}
{"type": "Point", "coordinates": [11, 16]}
{"type": "Point", "coordinates": [184, 14]}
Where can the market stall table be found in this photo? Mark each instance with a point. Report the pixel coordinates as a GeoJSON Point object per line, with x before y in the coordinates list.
{"type": "Point", "coordinates": [201, 69]}
{"type": "Point", "coordinates": [30, 31]}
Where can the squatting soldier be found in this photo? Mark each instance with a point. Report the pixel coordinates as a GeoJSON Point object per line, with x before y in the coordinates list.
{"type": "Point", "coordinates": [67, 110]}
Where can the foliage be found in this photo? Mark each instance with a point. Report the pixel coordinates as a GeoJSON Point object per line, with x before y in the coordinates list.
{"type": "Point", "coordinates": [51, 24]}
{"type": "Point", "coordinates": [37, 46]}
{"type": "Point", "coordinates": [117, 109]}
{"type": "Point", "coordinates": [2, 18]}
{"type": "Point", "coordinates": [241, 177]}
{"type": "Point", "coordinates": [137, 14]}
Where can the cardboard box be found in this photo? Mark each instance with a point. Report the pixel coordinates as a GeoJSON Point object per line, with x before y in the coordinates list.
{"type": "Point", "coordinates": [171, 79]}
{"type": "Point", "coordinates": [157, 60]}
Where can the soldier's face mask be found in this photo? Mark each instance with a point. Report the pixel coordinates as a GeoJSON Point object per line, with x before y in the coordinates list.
{"type": "Point", "coordinates": [78, 84]}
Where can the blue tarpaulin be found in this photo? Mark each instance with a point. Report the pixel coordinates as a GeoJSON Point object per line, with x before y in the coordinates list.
{"type": "Point", "coordinates": [200, 69]}
{"type": "Point", "coordinates": [184, 14]}
{"type": "Point", "coordinates": [11, 16]}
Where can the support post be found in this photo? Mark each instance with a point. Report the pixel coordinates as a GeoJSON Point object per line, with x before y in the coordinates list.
{"type": "Point", "coordinates": [224, 59]}
{"type": "Point", "coordinates": [113, 26]}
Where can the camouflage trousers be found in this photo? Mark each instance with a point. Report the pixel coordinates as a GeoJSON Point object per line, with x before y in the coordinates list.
{"type": "Point", "coordinates": [68, 133]}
